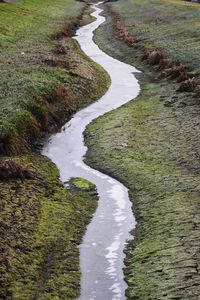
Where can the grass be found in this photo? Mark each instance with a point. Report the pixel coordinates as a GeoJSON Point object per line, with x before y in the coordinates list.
{"type": "Point", "coordinates": [81, 184]}
{"type": "Point", "coordinates": [36, 20]}
{"type": "Point", "coordinates": [169, 25]}
{"type": "Point", "coordinates": [152, 146]}
{"type": "Point", "coordinates": [42, 224]}
{"type": "Point", "coordinates": [36, 58]}
{"type": "Point", "coordinates": [140, 145]}
{"type": "Point", "coordinates": [26, 42]}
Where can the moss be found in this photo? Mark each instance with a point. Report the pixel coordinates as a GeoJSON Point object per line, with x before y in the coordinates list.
{"type": "Point", "coordinates": [42, 224]}
{"type": "Point", "coordinates": [81, 184]}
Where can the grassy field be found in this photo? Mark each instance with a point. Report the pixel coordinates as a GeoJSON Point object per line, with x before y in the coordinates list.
{"type": "Point", "coordinates": [152, 146]}
{"type": "Point", "coordinates": [26, 42]}
{"type": "Point", "coordinates": [38, 69]}
{"type": "Point", "coordinates": [170, 25]}
{"type": "Point", "coordinates": [148, 147]}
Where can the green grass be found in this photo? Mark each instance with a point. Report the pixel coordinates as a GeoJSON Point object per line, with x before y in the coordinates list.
{"type": "Point", "coordinates": [35, 20]}
{"type": "Point", "coordinates": [170, 25]}
{"type": "Point", "coordinates": [152, 145]}
{"type": "Point", "coordinates": [42, 224]}
{"type": "Point", "coordinates": [141, 145]}
{"type": "Point", "coordinates": [29, 102]}
{"type": "Point", "coordinates": [81, 184]}
{"type": "Point", "coordinates": [26, 32]}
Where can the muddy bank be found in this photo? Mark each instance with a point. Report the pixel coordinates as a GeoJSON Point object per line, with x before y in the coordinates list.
{"type": "Point", "coordinates": [152, 146]}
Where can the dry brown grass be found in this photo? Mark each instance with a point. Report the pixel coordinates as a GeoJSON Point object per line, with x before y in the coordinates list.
{"type": "Point", "coordinates": [189, 85]}
{"type": "Point", "coordinates": [123, 32]}
{"type": "Point", "coordinates": [9, 169]}
{"type": "Point", "coordinates": [167, 69]}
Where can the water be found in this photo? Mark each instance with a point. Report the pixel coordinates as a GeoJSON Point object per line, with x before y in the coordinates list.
{"type": "Point", "coordinates": [101, 252]}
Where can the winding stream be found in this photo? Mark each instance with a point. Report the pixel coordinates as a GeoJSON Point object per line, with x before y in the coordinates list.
{"type": "Point", "coordinates": [101, 252]}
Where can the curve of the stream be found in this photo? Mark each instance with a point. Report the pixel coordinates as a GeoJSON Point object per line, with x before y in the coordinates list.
{"type": "Point", "coordinates": [101, 252]}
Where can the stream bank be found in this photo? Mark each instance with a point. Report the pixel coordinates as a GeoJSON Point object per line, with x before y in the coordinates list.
{"type": "Point", "coordinates": [42, 223]}
{"type": "Point", "coordinates": [45, 79]}
{"type": "Point", "coordinates": [152, 145]}
{"type": "Point", "coordinates": [42, 70]}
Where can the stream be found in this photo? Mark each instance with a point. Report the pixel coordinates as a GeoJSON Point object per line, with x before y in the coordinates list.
{"type": "Point", "coordinates": [101, 252]}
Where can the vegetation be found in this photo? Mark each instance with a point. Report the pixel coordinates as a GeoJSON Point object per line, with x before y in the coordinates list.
{"type": "Point", "coordinates": [152, 145]}
{"type": "Point", "coordinates": [42, 223]}
{"type": "Point", "coordinates": [26, 43]}
{"type": "Point", "coordinates": [39, 68]}
{"type": "Point", "coordinates": [44, 79]}
{"type": "Point", "coordinates": [169, 25]}
{"type": "Point", "coordinates": [140, 144]}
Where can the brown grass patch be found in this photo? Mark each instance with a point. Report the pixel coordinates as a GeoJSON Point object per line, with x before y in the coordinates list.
{"type": "Point", "coordinates": [189, 85]}
{"type": "Point", "coordinates": [167, 68]}
{"type": "Point", "coordinates": [9, 169]}
{"type": "Point", "coordinates": [155, 57]}
{"type": "Point", "coordinates": [59, 94]}
{"type": "Point", "coordinates": [123, 32]}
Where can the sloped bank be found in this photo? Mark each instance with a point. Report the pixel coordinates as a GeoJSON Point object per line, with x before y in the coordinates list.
{"type": "Point", "coordinates": [41, 70]}
{"type": "Point", "coordinates": [152, 146]}
{"type": "Point", "coordinates": [45, 78]}
{"type": "Point", "coordinates": [140, 145]}
{"type": "Point", "coordinates": [42, 223]}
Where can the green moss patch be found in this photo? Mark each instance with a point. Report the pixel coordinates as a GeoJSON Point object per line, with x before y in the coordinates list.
{"type": "Point", "coordinates": [81, 184]}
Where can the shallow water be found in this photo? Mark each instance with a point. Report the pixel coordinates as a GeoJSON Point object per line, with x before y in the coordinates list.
{"type": "Point", "coordinates": [101, 252]}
